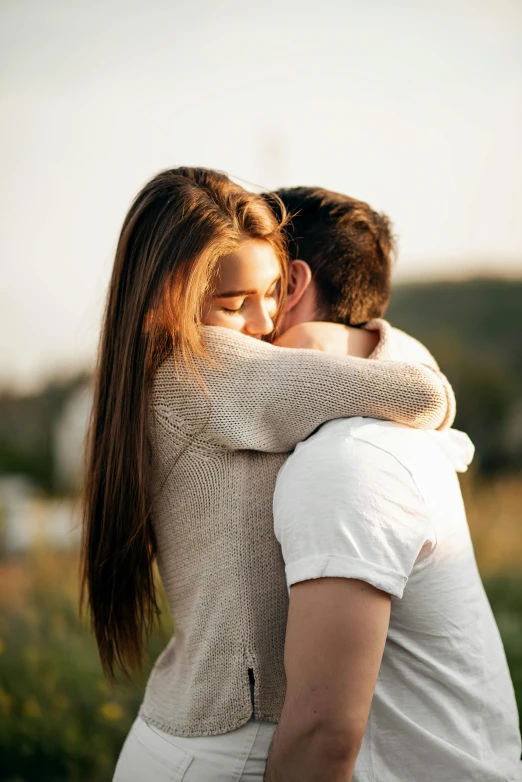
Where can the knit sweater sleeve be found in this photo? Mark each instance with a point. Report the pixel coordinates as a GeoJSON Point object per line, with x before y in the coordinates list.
{"type": "Point", "coordinates": [260, 397]}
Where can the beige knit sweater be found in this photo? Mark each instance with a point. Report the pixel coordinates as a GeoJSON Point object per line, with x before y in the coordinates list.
{"type": "Point", "coordinates": [215, 458]}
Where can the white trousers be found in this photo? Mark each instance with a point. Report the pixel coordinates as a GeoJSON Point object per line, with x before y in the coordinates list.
{"type": "Point", "coordinates": [150, 755]}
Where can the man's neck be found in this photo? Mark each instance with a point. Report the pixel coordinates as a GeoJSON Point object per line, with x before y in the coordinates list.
{"type": "Point", "coordinates": [305, 311]}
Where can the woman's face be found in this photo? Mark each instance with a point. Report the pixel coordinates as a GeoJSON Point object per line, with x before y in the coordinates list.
{"type": "Point", "coordinates": [246, 293]}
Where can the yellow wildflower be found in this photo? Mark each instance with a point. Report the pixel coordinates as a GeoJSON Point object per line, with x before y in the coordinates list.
{"type": "Point", "coordinates": [31, 655]}
{"type": "Point", "coordinates": [32, 708]}
{"type": "Point", "coordinates": [71, 734]}
{"type": "Point", "coordinates": [5, 702]}
{"type": "Point", "coordinates": [111, 710]}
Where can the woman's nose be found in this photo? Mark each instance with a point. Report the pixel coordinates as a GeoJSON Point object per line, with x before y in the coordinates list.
{"type": "Point", "coordinates": [260, 323]}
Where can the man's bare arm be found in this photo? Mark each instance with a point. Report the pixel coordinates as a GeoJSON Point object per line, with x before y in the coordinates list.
{"type": "Point", "coordinates": [334, 644]}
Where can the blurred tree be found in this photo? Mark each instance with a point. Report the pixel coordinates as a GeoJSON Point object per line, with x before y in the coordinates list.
{"type": "Point", "coordinates": [474, 330]}
{"type": "Point", "coordinates": [27, 430]}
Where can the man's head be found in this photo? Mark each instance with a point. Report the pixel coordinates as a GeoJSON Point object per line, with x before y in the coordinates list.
{"type": "Point", "coordinates": [349, 250]}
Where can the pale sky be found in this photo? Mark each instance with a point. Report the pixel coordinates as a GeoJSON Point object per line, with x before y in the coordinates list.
{"type": "Point", "coordinates": [412, 105]}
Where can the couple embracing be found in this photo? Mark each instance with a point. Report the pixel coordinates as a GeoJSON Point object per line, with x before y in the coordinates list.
{"type": "Point", "coordinates": [286, 458]}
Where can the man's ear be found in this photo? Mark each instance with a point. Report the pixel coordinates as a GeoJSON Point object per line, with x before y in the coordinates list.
{"type": "Point", "coordinates": [299, 278]}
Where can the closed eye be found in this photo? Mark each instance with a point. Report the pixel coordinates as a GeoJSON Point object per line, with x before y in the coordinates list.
{"type": "Point", "coordinates": [231, 311]}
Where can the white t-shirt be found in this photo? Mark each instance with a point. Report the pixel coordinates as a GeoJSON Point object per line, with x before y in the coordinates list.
{"type": "Point", "coordinates": [380, 502]}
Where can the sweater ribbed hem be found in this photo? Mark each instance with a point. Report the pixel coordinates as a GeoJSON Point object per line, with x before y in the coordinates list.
{"type": "Point", "coordinates": [201, 729]}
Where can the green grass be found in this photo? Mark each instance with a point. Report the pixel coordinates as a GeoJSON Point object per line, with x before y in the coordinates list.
{"type": "Point", "coordinates": [59, 719]}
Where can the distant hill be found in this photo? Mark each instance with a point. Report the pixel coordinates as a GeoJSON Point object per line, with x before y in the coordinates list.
{"type": "Point", "coordinates": [474, 330]}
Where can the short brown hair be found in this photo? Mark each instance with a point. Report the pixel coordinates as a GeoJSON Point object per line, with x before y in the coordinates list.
{"type": "Point", "coordinates": [349, 248]}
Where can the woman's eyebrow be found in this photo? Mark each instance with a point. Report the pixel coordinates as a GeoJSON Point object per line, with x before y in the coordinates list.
{"type": "Point", "coordinates": [233, 294]}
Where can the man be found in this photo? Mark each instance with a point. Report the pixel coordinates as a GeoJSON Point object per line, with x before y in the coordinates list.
{"type": "Point", "coordinates": [395, 667]}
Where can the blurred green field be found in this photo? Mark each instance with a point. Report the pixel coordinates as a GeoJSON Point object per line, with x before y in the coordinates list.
{"type": "Point", "coordinates": [61, 722]}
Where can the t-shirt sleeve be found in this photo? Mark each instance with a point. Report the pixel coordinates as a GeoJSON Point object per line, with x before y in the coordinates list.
{"type": "Point", "coordinates": [345, 508]}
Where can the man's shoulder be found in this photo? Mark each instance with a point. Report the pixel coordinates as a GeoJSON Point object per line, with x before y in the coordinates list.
{"type": "Point", "coordinates": [410, 447]}
{"type": "Point", "coordinates": [352, 477]}
{"type": "Point", "coordinates": [395, 439]}
{"type": "Point", "coordinates": [354, 451]}
{"type": "Point", "coordinates": [374, 456]}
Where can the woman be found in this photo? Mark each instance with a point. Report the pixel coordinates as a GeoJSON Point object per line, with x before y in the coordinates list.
{"type": "Point", "coordinates": [190, 426]}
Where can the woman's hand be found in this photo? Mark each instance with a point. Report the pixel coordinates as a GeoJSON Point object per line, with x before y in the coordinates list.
{"type": "Point", "coordinates": [330, 338]}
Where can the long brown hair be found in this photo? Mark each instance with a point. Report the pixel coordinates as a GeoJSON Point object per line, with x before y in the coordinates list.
{"type": "Point", "coordinates": [179, 226]}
